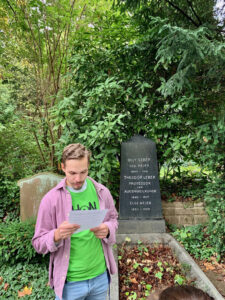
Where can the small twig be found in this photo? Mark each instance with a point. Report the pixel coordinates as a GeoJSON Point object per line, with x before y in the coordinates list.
{"type": "Point", "coordinates": [12, 9]}
{"type": "Point", "coordinates": [192, 8]}
{"type": "Point", "coordinates": [182, 12]}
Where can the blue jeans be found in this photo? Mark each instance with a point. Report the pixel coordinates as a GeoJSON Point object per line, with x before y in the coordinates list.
{"type": "Point", "coordinates": [91, 289]}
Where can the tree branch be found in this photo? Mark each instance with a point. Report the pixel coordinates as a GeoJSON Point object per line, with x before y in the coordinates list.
{"type": "Point", "coordinates": [182, 12]}
{"type": "Point", "coordinates": [12, 9]}
{"type": "Point", "coordinates": [38, 144]}
{"type": "Point", "coordinates": [192, 8]}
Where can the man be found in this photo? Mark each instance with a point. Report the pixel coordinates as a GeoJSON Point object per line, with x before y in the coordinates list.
{"type": "Point", "coordinates": [81, 263]}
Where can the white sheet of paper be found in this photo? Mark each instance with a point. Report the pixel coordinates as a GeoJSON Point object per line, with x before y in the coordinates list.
{"type": "Point", "coordinates": [87, 218]}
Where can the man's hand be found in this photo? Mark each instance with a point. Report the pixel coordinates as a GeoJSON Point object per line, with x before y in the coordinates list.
{"type": "Point", "coordinates": [101, 231]}
{"type": "Point", "coordinates": [64, 231]}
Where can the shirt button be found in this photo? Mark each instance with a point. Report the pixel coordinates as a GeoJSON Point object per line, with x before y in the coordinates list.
{"type": "Point", "coordinates": [66, 256]}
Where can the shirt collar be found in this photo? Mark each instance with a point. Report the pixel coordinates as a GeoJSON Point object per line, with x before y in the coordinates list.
{"type": "Point", "coordinates": [62, 184]}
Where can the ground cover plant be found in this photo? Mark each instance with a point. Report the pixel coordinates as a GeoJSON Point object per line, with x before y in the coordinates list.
{"type": "Point", "coordinates": [201, 241]}
{"type": "Point", "coordinates": [204, 242]}
{"type": "Point", "coordinates": [29, 280]}
{"type": "Point", "coordinates": [15, 242]}
{"type": "Point", "coordinates": [144, 268]}
{"type": "Point", "coordinates": [23, 272]}
{"type": "Point", "coordinates": [198, 243]}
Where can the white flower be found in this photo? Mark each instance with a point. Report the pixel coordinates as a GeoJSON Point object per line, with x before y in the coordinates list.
{"type": "Point", "coordinates": [36, 9]}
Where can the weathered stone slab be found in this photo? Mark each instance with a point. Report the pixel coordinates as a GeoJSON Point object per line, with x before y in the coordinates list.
{"type": "Point", "coordinates": [32, 190]}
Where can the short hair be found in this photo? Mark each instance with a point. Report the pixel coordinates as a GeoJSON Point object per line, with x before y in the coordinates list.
{"type": "Point", "coordinates": [75, 151]}
{"type": "Point", "coordinates": [184, 292]}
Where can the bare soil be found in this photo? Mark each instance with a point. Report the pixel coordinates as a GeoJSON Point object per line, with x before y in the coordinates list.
{"type": "Point", "coordinates": [144, 269]}
{"type": "Point", "coordinates": [215, 272]}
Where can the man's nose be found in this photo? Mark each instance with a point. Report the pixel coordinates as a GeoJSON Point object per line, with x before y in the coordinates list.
{"type": "Point", "coordinates": [78, 177]}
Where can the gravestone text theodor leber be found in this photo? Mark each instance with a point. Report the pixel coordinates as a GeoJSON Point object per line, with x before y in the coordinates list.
{"type": "Point", "coordinates": [139, 182]}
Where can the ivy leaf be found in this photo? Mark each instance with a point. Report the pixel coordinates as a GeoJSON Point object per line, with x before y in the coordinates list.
{"type": "Point", "coordinates": [146, 270]}
{"type": "Point", "coordinates": [159, 275]}
{"type": "Point", "coordinates": [179, 279]}
{"type": "Point", "coordinates": [136, 265]}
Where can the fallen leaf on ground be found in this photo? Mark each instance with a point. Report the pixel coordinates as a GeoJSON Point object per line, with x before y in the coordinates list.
{"type": "Point", "coordinates": [133, 280]}
{"type": "Point", "coordinates": [209, 266]}
{"type": "Point", "coordinates": [24, 292]}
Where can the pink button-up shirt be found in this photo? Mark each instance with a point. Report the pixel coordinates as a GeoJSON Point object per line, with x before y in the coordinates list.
{"type": "Point", "coordinates": [54, 210]}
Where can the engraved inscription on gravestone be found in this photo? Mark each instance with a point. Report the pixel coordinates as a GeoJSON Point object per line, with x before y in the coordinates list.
{"type": "Point", "coordinates": [139, 182]}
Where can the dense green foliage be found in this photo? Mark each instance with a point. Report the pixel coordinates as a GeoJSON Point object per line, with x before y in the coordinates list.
{"type": "Point", "coordinates": [15, 242]}
{"type": "Point", "coordinates": [22, 275]}
{"type": "Point", "coordinates": [160, 78]}
{"type": "Point", "coordinates": [196, 241]}
{"type": "Point", "coordinates": [215, 203]}
{"type": "Point", "coordinates": [155, 69]}
{"type": "Point", "coordinates": [18, 153]}
{"type": "Point", "coordinates": [164, 82]}
{"type": "Point", "coordinates": [37, 38]}
{"type": "Point", "coordinates": [21, 266]}
{"type": "Point", "coordinates": [80, 71]}
{"type": "Point", "coordinates": [205, 241]}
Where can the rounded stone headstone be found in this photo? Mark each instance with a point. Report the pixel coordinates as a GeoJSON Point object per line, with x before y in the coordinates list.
{"type": "Point", "coordinates": [32, 190]}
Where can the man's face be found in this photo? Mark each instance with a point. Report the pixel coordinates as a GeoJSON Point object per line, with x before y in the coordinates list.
{"type": "Point", "coordinates": [76, 171]}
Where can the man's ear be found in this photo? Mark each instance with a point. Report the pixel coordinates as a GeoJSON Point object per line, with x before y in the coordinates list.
{"type": "Point", "coordinates": [63, 167]}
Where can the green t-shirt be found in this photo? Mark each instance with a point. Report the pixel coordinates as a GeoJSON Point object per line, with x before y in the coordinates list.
{"type": "Point", "coordinates": [86, 254]}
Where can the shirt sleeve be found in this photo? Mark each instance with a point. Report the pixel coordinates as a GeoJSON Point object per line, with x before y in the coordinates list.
{"type": "Point", "coordinates": [111, 219]}
{"type": "Point", "coordinates": [43, 239]}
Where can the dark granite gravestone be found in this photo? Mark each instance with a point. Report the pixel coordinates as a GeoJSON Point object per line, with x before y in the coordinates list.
{"type": "Point", "coordinates": [140, 199]}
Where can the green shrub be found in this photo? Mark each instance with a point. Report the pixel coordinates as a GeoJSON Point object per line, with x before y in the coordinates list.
{"type": "Point", "coordinates": [15, 242]}
{"type": "Point", "coordinates": [15, 278]}
{"type": "Point", "coordinates": [195, 240]}
{"type": "Point", "coordinates": [184, 187]}
{"type": "Point", "coordinates": [203, 241]}
{"type": "Point", "coordinates": [9, 198]}
{"type": "Point", "coordinates": [215, 206]}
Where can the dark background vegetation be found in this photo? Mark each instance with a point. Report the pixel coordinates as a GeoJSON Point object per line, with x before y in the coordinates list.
{"type": "Point", "coordinates": [97, 73]}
